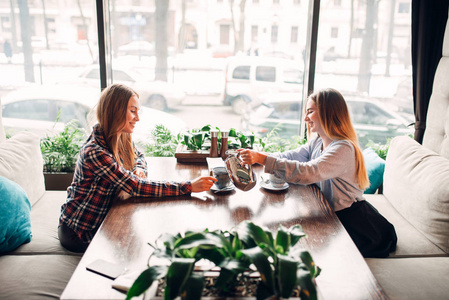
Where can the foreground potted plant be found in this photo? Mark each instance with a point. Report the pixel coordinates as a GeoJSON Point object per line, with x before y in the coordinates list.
{"type": "Point", "coordinates": [60, 152]}
{"type": "Point", "coordinates": [283, 266]}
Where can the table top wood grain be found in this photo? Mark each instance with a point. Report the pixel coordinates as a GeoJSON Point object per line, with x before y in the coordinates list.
{"type": "Point", "coordinates": [131, 224]}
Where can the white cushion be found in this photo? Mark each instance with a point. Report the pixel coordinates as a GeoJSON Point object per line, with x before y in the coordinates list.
{"type": "Point", "coordinates": [2, 130]}
{"type": "Point", "coordinates": [411, 242]}
{"type": "Point", "coordinates": [21, 161]}
{"type": "Point", "coordinates": [416, 182]}
{"type": "Point", "coordinates": [415, 278]}
{"type": "Point", "coordinates": [437, 121]}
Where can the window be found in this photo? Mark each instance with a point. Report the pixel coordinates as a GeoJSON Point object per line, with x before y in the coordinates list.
{"type": "Point", "coordinates": [254, 32]}
{"type": "Point", "coordinates": [266, 74]}
{"type": "Point", "coordinates": [6, 24]}
{"type": "Point", "coordinates": [224, 34]}
{"type": "Point", "coordinates": [294, 35]}
{"type": "Point", "coordinates": [241, 72]}
{"type": "Point", "coordinates": [190, 73]}
{"type": "Point", "coordinates": [334, 32]}
{"type": "Point", "coordinates": [34, 109]}
{"type": "Point", "coordinates": [274, 33]}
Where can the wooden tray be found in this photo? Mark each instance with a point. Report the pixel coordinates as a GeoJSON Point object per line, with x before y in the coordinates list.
{"type": "Point", "coordinates": [183, 155]}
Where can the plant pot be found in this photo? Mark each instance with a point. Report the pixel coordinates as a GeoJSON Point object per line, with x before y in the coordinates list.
{"type": "Point", "coordinates": [57, 181]}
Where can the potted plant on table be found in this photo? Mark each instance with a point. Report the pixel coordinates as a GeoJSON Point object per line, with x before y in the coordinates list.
{"type": "Point", "coordinates": [194, 145]}
{"type": "Point", "coordinates": [284, 268]}
{"type": "Point", "coordinates": [60, 152]}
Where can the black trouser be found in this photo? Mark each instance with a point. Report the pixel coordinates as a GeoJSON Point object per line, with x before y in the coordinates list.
{"type": "Point", "coordinates": [373, 235]}
{"type": "Point", "coordinates": [70, 240]}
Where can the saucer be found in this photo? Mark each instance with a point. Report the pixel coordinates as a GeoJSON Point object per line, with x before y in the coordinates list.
{"type": "Point", "coordinates": [228, 188]}
{"type": "Point", "coordinates": [267, 185]}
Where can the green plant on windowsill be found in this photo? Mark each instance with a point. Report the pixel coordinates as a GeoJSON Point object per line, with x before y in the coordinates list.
{"type": "Point", "coordinates": [238, 139]}
{"type": "Point", "coordinates": [60, 151]}
{"type": "Point", "coordinates": [273, 142]}
{"type": "Point", "coordinates": [196, 139]}
{"type": "Point", "coordinates": [199, 139]}
{"type": "Point", "coordinates": [284, 268]}
{"type": "Point", "coordinates": [163, 142]}
{"type": "Point", "coordinates": [380, 149]}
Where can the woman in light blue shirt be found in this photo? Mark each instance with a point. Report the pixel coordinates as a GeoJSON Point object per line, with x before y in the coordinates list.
{"type": "Point", "coordinates": [334, 162]}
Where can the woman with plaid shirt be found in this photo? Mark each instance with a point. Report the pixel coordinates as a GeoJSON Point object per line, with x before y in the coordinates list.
{"type": "Point", "coordinates": [109, 165]}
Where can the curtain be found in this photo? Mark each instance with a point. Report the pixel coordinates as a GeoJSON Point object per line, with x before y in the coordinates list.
{"type": "Point", "coordinates": [428, 24]}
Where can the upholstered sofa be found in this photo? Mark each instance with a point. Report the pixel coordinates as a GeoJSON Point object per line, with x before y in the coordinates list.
{"type": "Point", "coordinates": [40, 268]}
{"type": "Point", "coordinates": [416, 200]}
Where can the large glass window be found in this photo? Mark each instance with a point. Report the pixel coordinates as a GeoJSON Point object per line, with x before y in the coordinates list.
{"type": "Point", "coordinates": [369, 60]}
{"type": "Point", "coordinates": [195, 63]}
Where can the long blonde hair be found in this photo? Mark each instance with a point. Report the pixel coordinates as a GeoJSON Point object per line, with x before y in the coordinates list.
{"type": "Point", "coordinates": [111, 115]}
{"type": "Point", "coordinates": [336, 123]}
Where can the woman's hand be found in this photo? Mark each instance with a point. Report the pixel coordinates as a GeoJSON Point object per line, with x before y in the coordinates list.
{"type": "Point", "coordinates": [139, 172]}
{"type": "Point", "coordinates": [202, 184]}
{"type": "Point", "coordinates": [251, 157]}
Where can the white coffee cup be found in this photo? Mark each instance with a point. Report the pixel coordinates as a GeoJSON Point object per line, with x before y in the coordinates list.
{"type": "Point", "coordinates": [276, 182]}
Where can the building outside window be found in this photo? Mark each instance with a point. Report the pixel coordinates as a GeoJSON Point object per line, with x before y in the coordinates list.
{"type": "Point", "coordinates": [368, 62]}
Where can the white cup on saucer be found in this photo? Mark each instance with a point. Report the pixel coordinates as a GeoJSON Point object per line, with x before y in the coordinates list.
{"type": "Point", "coordinates": [275, 181]}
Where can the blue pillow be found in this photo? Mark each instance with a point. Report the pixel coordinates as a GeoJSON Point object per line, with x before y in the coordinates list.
{"type": "Point", "coordinates": [375, 166]}
{"type": "Point", "coordinates": [15, 228]}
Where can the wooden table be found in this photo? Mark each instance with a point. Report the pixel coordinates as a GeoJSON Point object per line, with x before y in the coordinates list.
{"type": "Point", "coordinates": [131, 224]}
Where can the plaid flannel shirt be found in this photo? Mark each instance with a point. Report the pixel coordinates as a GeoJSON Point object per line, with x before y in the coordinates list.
{"type": "Point", "coordinates": [99, 179]}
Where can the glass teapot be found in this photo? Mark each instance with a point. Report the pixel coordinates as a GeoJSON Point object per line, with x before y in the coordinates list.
{"type": "Point", "coordinates": [242, 176]}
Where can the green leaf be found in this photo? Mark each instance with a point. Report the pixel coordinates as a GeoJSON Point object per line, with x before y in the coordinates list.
{"type": "Point", "coordinates": [249, 232]}
{"type": "Point", "coordinates": [177, 275]}
{"type": "Point", "coordinates": [206, 128]}
{"type": "Point", "coordinates": [263, 292]}
{"type": "Point", "coordinates": [287, 268]}
{"type": "Point", "coordinates": [226, 276]}
{"type": "Point", "coordinates": [202, 240]}
{"type": "Point", "coordinates": [260, 260]}
{"type": "Point", "coordinates": [194, 287]}
{"type": "Point", "coordinates": [168, 240]}
{"type": "Point", "coordinates": [310, 264]}
{"type": "Point", "coordinates": [296, 233]}
{"type": "Point", "coordinates": [145, 279]}
{"type": "Point", "coordinates": [306, 284]}
{"type": "Point", "coordinates": [282, 240]}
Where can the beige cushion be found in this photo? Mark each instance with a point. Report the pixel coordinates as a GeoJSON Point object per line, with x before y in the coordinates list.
{"type": "Point", "coordinates": [416, 182]}
{"type": "Point", "coordinates": [411, 242]}
{"type": "Point", "coordinates": [21, 161]}
{"type": "Point", "coordinates": [2, 129]}
{"type": "Point", "coordinates": [437, 121]}
{"type": "Point", "coordinates": [35, 276]}
{"type": "Point", "coordinates": [412, 278]}
{"type": "Point", "coordinates": [44, 225]}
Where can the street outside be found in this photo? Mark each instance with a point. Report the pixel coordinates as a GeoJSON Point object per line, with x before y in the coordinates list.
{"type": "Point", "coordinates": [204, 88]}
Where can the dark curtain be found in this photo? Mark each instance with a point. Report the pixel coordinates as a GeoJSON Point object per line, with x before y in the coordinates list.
{"type": "Point", "coordinates": [428, 24]}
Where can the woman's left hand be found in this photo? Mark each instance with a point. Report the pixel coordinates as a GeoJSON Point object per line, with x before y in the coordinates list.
{"type": "Point", "coordinates": [140, 173]}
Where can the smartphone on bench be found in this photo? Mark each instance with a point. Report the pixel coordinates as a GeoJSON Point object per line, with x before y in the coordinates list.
{"type": "Point", "coordinates": [105, 268]}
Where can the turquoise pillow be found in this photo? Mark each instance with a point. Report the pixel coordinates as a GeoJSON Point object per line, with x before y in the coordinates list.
{"type": "Point", "coordinates": [15, 221]}
{"type": "Point", "coordinates": [375, 166]}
